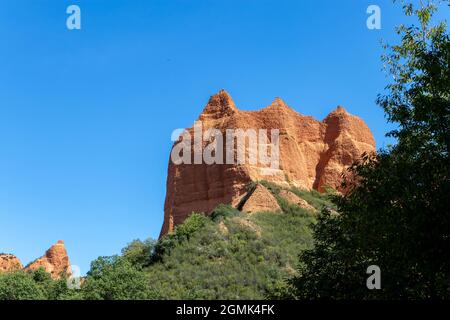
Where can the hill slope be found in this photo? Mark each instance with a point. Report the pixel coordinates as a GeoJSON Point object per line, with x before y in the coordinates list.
{"type": "Point", "coordinates": [231, 254]}
{"type": "Point", "coordinates": [226, 255]}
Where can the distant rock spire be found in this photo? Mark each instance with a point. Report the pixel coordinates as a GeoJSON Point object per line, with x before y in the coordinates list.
{"type": "Point", "coordinates": [9, 262]}
{"type": "Point", "coordinates": [278, 102]}
{"type": "Point", "coordinates": [55, 261]}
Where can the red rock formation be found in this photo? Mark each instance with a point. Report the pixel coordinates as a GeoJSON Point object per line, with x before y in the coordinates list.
{"type": "Point", "coordinates": [313, 154]}
{"type": "Point", "coordinates": [260, 200]}
{"type": "Point", "coordinates": [347, 137]}
{"type": "Point", "coordinates": [9, 262]}
{"type": "Point", "coordinates": [55, 261]}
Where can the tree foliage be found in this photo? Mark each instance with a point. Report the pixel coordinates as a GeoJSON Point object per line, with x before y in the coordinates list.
{"type": "Point", "coordinates": [115, 278]}
{"type": "Point", "coordinates": [34, 285]}
{"type": "Point", "coordinates": [396, 214]}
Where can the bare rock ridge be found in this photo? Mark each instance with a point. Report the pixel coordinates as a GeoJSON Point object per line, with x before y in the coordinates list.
{"type": "Point", "coordinates": [312, 155]}
{"type": "Point", "coordinates": [55, 261]}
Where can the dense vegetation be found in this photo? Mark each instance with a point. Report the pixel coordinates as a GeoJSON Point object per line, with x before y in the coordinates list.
{"type": "Point", "coordinates": [397, 214]}
{"type": "Point", "coordinates": [34, 285]}
{"type": "Point", "coordinates": [228, 255]}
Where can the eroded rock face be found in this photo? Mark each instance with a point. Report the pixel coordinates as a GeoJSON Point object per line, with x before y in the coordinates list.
{"type": "Point", "coordinates": [9, 262]}
{"type": "Point", "coordinates": [55, 261]}
{"type": "Point", "coordinates": [313, 154]}
{"type": "Point", "coordinates": [346, 137]}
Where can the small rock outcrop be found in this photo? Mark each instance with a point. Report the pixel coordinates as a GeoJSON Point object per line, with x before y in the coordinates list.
{"type": "Point", "coordinates": [9, 262]}
{"type": "Point", "coordinates": [260, 200]}
{"type": "Point", "coordinates": [248, 224]}
{"type": "Point", "coordinates": [291, 197]}
{"type": "Point", "coordinates": [55, 261]}
{"type": "Point", "coordinates": [312, 155]}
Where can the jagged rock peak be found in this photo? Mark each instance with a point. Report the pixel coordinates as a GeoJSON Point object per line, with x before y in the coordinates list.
{"type": "Point", "coordinates": [219, 105]}
{"type": "Point", "coordinates": [340, 109]}
{"type": "Point", "coordinates": [339, 112]}
{"type": "Point", "coordinates": [279, 103]}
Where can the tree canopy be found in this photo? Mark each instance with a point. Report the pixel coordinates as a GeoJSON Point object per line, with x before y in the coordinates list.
{"type": "Point", "coordinates": [396, 212]}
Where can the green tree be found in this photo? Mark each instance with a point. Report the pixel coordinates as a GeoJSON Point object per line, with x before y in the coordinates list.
{"type": "Point", "coordinates": [115, 278]}
{"type": "Point", "coordinates": [139, 252]}
{"type": "Point", "coordinates": [35, 285]}
{"type": "Point", "coordinates": [182, 232]}
{"type": "Point", "coordinates": [20, 285]}
{"type": "Point", "coordinates": [396, 213]}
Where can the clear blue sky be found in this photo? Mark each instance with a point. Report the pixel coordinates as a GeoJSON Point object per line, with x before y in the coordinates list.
{"type": "Point", "coordinates": [86, 116]}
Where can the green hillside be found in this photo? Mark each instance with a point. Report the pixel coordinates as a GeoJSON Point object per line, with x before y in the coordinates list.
{"type": "Point", "coordinates": [228, 255]}
{"type": "Point", "coordinates": [240, 257]}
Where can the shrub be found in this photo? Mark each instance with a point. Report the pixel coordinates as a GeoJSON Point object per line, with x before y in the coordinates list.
{"type": "Point", "coordinates": [223, 211]}
{"type": "Point", "coordinates": [182, 232]}
{"type": "Point", "coordinates": [139, 253]}
{"type": "Point", "coordinates": [316, 199]}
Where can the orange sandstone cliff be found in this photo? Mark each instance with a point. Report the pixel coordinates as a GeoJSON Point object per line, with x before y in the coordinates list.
{"type": "Point", "coordinates": [312, 155]}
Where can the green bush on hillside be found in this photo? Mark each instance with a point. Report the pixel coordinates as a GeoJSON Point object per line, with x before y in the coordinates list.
{"type": "Point", "coordinates": [223, 211]}
{"type": "Point", "coordinates": [182, 232]}
{"type": "Point", "coordinates": [139, 253]}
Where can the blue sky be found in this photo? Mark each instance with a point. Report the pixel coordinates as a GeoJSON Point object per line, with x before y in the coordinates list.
{"type": "Point", "coordinates": [86, 115]}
